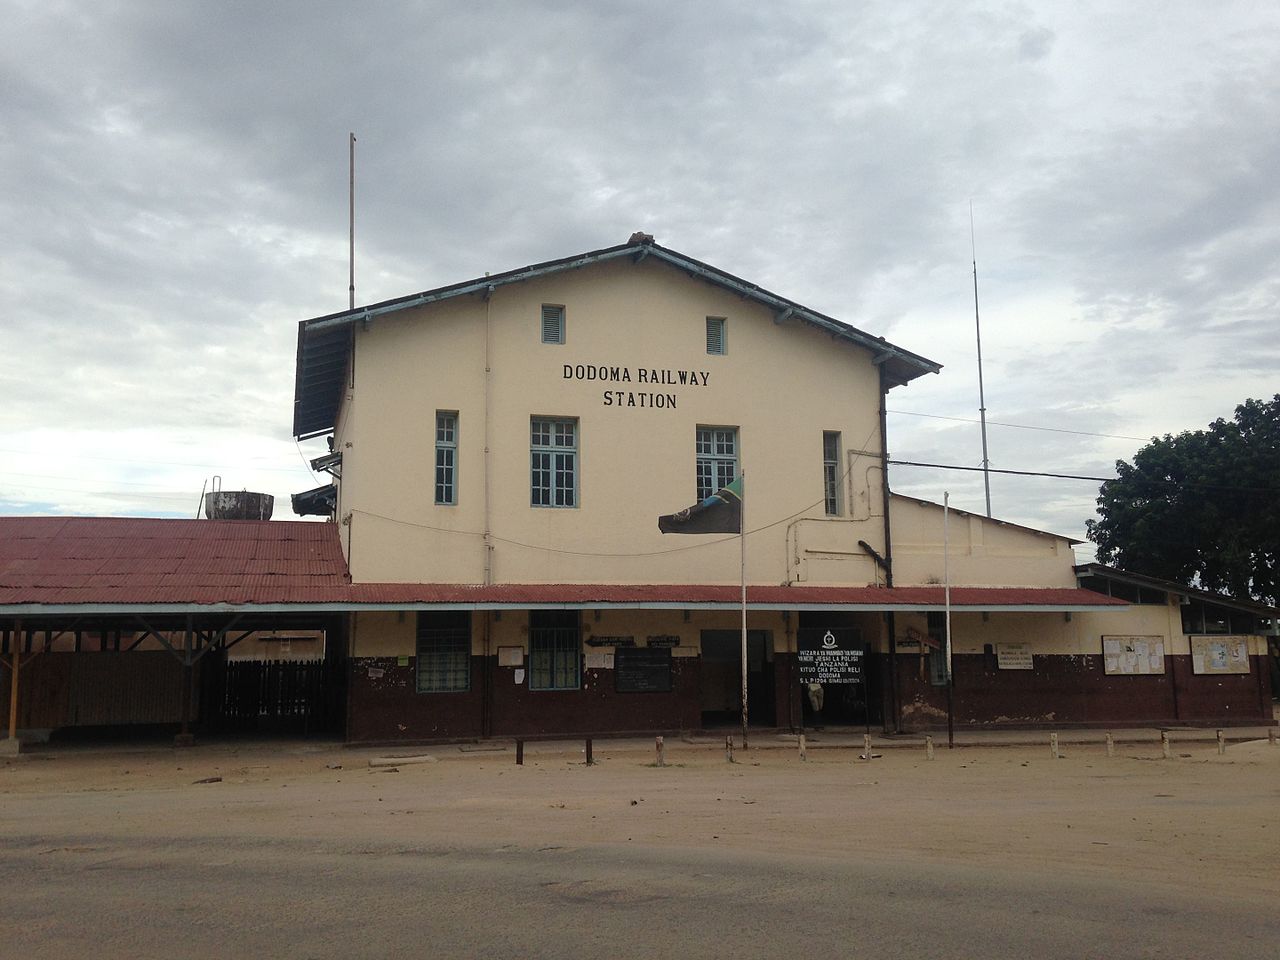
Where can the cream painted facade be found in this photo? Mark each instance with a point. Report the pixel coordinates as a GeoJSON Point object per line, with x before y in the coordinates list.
{"type": "Point", "coordinates": [634, 463]}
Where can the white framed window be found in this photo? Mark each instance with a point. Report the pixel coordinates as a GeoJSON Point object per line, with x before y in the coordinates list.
{"type": "Point", "coordinates": [446, 457]}
{"type": "Point", "coordinates": [831, 471]}
{"type": "Point", "coordinates": [717, 450]}
{"type": "Point", "coordinates": [715, 335]}
{"type": "Point", "coordinates": [555, 650]}
{"type": "Point", "coordinates": [552, 323]}
{"type": "Point", "coordinates": [553, 462]}
{"type": "Point", "coordinates": [444, 651]}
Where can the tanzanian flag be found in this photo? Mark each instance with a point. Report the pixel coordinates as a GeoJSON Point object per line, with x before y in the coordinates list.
{"type": "Point", "coordinates": [719, 513]}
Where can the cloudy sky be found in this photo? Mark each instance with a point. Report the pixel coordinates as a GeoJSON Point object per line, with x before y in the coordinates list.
{"type": "Point", "coordinates": [175, 200]}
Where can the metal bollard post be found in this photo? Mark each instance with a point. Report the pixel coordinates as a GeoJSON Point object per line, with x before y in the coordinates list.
{"type": "Point", "coordinates": [519, 753]}
{"type": "Point", "coordinates": [728, 749]}
{"type": "Point", "coordinates": [866, 747]}
{"type": "Point", "coordinates": [1222, 744]}
{"type": "Point", "coordinates": [928, 748]}
{"type": "Point", "coordinates": [658, 746]}
{"type": "Point", "coordinates": [1111, 745]}
{"type": "Point", "coordinates": [1165, 749]}
{"type": "Point", "coordinates": [1053, 746]}
{"type": "Point", "coordinates": [803, 755]}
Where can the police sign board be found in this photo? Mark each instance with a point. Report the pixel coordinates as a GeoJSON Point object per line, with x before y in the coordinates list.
{"type": "Point", "coordinates": [830, 657]}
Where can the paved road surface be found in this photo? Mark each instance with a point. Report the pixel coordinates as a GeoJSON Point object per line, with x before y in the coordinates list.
{"type": "Point", "coordinates": [217, 896]}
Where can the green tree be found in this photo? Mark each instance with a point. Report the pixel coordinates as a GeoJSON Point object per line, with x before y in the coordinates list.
{"type": "Point", "coordinates": [1201, 508]}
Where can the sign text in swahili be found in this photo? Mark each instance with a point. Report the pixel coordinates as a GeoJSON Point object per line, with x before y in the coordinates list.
{"type": "Point", "coordinates": [638, 378]}
{"type": "Point", "coordinates": [829, 656]}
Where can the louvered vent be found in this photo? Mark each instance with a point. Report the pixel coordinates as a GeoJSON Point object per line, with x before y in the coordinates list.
{"type": "Point", "coordinates": [552, 324]}
{"type": "Point", "coordinates": [715, 334]}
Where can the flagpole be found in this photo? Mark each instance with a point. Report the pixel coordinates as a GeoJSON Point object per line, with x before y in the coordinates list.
{"type": "Point", "coordinates": [742, 541]}
{"type": "Point", "coordinates": [946, 580]}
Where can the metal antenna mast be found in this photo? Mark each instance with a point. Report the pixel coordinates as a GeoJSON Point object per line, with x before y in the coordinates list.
{"type": "Point", "coordinates": [982, 399]}
{"type": "Point", "coordinates": [351, 196]}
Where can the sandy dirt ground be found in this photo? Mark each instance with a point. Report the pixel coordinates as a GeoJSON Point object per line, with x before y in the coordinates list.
{"type": "Point", "coordinates": [1197, 831]}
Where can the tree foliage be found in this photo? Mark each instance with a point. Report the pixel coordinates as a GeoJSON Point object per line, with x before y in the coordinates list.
{"type": "Point", "coordinates": [1201, 508]}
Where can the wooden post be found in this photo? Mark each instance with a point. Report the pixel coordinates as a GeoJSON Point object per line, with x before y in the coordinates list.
{"type": "Point", "coordinates": [1053, 746]}
{"type": "Point", "coordinates": [728, 749]}
{"type": "Point", "coordinates": [13, 680]}
{"type": "Point", "coordinates": [519, 752]}
{"type": "Point", "coordinates": [1111, 745]}
{"type": "Point", "coordinates": [866, 747]}
{"type": "Point", "coordinates": [1165, 748]}
{"type": "Point", "coordinates": [658, 747]}
{"type": "Point", "coordinates": [1222, 744]}
{"type": "Point", "coordinates": [803, 754]}
{"type": "Point", "coordinates": [928, 748]}
{"type": "Point", "coordinates": [590, 759]}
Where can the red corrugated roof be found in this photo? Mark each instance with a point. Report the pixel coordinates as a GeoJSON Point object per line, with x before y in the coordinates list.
{"type": "Point", "coordinates": [61, 560]}
{"type": "Point", "coordinates": [54, 561]}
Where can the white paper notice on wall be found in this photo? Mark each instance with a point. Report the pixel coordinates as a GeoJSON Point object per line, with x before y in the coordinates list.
{"type": "Point", "coordinates": [511, 656]}
{"type": "Point", "coordinates": [599, 661]}
{"type": "Point", "coordinates": [1132, 656]}
{"type": "Point", "coordinates": [1014, 656]}
{"type": "Point", "coordinates": [519, 676]}
{"type": "Point", "coordinates": [376, 672]}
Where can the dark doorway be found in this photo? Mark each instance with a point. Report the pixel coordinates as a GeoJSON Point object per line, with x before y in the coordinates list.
{"type": "Point", "coordinates": [721, 673]}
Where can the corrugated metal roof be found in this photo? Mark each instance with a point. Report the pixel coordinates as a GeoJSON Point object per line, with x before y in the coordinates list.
{"type": "Point", "coordinates": [58, 560]}
{"type": "Point", "coordinates": [52, 562]}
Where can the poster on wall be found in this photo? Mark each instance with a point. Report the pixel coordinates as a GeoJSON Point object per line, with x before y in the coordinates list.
{"type": "Point", "coordinates": [1132, 656]}
{"type": "Point", "coordinates": [1014, 656]}
{"type": "Point", "coordinates": [1220, 654]}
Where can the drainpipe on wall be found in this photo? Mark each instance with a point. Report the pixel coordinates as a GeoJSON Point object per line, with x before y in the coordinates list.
{"type": "Point", "coordinates": [894, 723]}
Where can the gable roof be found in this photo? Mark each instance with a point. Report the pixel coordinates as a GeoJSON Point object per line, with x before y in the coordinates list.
{"type": "Point", "coordinates": [324, 343]}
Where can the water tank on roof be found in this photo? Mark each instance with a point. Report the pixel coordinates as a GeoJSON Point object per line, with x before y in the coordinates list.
{"type": "Point", "coordinates": [238, 505]}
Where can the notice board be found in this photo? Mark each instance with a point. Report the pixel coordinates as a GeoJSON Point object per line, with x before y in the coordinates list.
{"type": "Point", "coordinates": [830, 656]}
{"type": "Point", "coordinates": [642, 670]}
{"type": "Point", "coordinates": [1226, 654]}
{"type": "Point", "coordinates": [1132, 656]}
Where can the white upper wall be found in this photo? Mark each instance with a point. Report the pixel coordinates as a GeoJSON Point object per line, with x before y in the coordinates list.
{"type": "Point", "coordinates": [982, 551]}
{"type": "Point", "coordinates": [782, 386]}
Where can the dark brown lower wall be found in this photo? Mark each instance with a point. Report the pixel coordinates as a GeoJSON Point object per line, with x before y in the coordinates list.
{"type": "Point", "coordinates": [1075, 690]}
{"type": "Point", "coordinates": [58, 689]}
{"type": "Point", "coordinates": [387, 707]}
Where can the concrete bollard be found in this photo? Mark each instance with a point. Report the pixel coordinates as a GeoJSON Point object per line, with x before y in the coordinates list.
{"type": "Point", "coordinates": [1166, 750]}
{"type": "Point", "coordinates": [1053, 746]}
{"type": "Point", "coordinates": [866, 747]}
{"type": "Point", "coordinates": [658, 746]}
{"type": "Point", "coordinates": [1271, 736]}
{"type": "Point", "coordinates": [1111, 745]}
{"type": "Point", "coordinates": [928, 748]}
{"type": "Point", "coordinates": [728, 749]}
{"type": "Point", "coordinates": [803, 754]}
{"type": "Point", "coordinates": [1222, 744]}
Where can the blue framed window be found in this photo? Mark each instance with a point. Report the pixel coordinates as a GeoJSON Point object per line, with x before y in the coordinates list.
{"type": "Point", "coordinates": [446, 457]}
{"type": "Point", "coordinates": [553, 462]}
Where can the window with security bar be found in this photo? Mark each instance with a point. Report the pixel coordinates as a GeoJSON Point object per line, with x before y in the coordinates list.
{"type": "Point", "coordinates": [444, 651]}
{"type": "Point", "coordinates": [552, 323]}
{"type": "Point", "coordinates": [717, 449]}
{"type": "Point", "coordinates": [555, 650]}
{"type": "Point", "coordinates": [831, 472]}
{"type": "Point", "coordinates": [553, 462]}
{"type": "Point", "coordinates": [446, 457]}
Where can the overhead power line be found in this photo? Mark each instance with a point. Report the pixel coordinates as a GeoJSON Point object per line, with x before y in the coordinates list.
{"type": "Point", "coordinates": [1019, 426]}
{"type": "Point", "coordinates": [1076, 476]}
